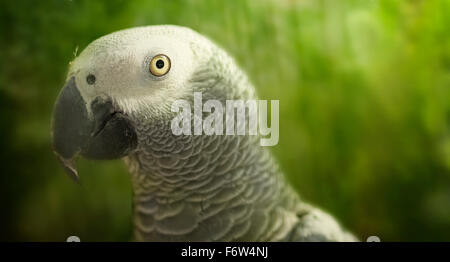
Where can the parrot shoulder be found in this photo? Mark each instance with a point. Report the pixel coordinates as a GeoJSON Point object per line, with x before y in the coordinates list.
{"type": "Point", "coordinates": [315, 225]}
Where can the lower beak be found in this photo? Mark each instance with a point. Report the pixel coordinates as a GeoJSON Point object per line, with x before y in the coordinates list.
{"type": "Point", "coordinates": [107, 133]}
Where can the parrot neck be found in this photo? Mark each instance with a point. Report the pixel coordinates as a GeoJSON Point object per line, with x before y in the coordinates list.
{"type": "Point", "coordinates": [202, 188]}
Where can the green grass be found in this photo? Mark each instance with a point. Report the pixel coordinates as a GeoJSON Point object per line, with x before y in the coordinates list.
{"type": "Point", "coordinates": [364, 90]}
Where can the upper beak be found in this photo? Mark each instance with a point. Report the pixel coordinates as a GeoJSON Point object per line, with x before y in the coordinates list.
{"type": "Point", "coordinates": [105, 134]}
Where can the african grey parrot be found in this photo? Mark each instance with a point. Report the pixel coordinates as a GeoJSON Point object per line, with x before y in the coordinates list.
{"type": "Point", "coordinates": [116, 103]}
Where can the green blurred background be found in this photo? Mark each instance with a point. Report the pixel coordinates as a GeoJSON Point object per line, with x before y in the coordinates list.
{"type": "Point", "coordinates": [364, 90]}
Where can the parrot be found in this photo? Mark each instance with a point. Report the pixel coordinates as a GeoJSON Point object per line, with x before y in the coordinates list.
{"type": "Point", "coordinates": [116, 103]}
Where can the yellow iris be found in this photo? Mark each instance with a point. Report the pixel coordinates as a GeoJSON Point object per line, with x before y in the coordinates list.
{"type": "Point", "coordinates": [160, 65]}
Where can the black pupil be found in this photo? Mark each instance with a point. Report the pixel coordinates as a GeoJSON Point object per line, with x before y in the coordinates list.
{"type": "Point", "coordinates": [90, 79]}
{"type": "Point", "coordinates": [160, 64]}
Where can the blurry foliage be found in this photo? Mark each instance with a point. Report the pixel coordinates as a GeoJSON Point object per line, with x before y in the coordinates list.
{"type": "Point", "coordinates": [364, 100]}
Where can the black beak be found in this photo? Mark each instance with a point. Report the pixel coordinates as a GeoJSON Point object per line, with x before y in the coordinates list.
{"type": "Point", "coordinates": [105, 134]}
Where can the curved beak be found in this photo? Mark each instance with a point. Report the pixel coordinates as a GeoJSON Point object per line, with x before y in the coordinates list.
{"type": "Point", "coordinates": [106, 133]}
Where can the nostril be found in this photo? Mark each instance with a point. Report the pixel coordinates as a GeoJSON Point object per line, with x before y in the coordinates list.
{"type": "Point", "coordinates": [90, 79]}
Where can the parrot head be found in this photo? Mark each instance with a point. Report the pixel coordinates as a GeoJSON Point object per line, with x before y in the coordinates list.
{"type": "Point", "coordinates": [119, 80]}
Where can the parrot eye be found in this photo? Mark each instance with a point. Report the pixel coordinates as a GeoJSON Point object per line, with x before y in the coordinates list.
{"type": "Point", "coordinates": [159, 65]}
